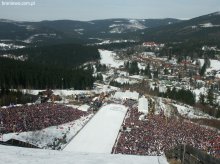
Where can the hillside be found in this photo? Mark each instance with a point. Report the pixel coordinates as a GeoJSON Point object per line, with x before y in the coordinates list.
{"type": "Point", "coordinates": [19, 74]}
{"type": "Point", "coordinates": [68, 55]}
{"type": "Point", "coordinates": [202, 28]}
{"type": "Point", "coordinates": [63, 31]}
{"type": "Point", "coordinates": [97, 31]}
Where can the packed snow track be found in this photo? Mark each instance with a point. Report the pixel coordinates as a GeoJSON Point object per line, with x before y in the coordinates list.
{"type": "Point", "coordinates": [99, 135]}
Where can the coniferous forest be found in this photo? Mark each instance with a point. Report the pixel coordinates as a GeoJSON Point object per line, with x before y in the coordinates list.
{"type": "Point", "coordinates": [16, 74]}
{"type": "Point", "coordinates": [52, 67]}
{"type": "Point", "coordinates": [63, 55]}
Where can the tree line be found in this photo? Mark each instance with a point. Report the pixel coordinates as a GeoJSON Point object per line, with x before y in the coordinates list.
{"type": "Point", "coordinates": [182, 95]}
{"type": "Point", "coordinates": [209, 104]}
{"type": "Point", "coordinates": [63, 55]}
{"type": "Point", "coordinates": [11, 97]}
{"type": "Point", "coordinates": [17, 74]}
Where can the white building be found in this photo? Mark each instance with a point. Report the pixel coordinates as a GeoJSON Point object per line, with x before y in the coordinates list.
{"type": "Point", "coordinates": [126, 95]}
{"type": "Point", "coordinates": [143, 105]}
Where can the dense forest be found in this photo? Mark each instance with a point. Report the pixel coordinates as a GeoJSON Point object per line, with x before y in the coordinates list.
{"type": "Point", "coordinates": [17, 74]}
{"type": "Point", "coordinates": [48, 67]}
{"type": "Point", "coordinates": [10, 97]}
{"type": "Point", "coordinates": [182, 95]}
{"type": "Point", "coordinates": [193, 29]}
{"type": "Point", "coordinates": [68, 55]}
{"type": "Point", "coordinates": [192, 48]}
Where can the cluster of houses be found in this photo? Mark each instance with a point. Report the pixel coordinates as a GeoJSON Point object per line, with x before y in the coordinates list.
{"type": "Point", "coordinates": [171, 72]}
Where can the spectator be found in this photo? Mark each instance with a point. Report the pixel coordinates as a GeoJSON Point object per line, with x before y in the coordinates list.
{"type": "Point", "coordinates": [156, 134]}
{"type": "Point", "coordinates": [37, 117]}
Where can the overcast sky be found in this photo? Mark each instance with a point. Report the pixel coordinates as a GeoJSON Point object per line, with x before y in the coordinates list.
{"type": "Point", "coordinates": [103, 9]}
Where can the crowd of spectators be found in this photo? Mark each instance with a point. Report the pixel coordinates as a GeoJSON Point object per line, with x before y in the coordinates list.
{"type": "Point", "coordinates": [156, 134]}
{"type": "Point", "coordinates": [36, 117]}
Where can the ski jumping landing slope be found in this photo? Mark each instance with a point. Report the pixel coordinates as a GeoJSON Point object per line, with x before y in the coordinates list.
{"type": "Point", "coordinates": [18, 155]}
{"type": "Point", "coordinates": [99, 135]}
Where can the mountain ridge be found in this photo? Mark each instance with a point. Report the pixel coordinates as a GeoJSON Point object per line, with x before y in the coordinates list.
{"type": "Point", "coordinates": [202, 27]}
{"type": "Point", "coordinates": [72, 30]}
{"type": "Point", "coordinates": [96, 31]}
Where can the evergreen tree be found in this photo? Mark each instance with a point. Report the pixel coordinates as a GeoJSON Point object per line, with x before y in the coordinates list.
{"type": "Point", "coordinates": [173, 93]}
{"type": "Point", "coordinates": [210, 97]}
{"type": "Point", "coordinates": [28, 75]}
{"type": "Point", "coordinates": [203, 69]}
{"type": "Point", "coordinates": [156, 74]}
{"type": "Point", "coordinates": [202, 99]}
{"type": "Point", "coordinates": [166, 72]}
{"type": "Point", "coordinates": [168, 93]}
{"type": "Point", "coordinates": [133, 68]}
{"type": "Point", "coordinates": [190, 98]}
{"type": "Point", "coordinates": [149, 75]}
{"type": "Point", "coordinates": [99, 77]}
{"type": "Point", "coordinates": [126, 65]}
{"type": "Point", "coordinates": [147, 70]}
{"type": "Point", "coordinates": [182, 95]}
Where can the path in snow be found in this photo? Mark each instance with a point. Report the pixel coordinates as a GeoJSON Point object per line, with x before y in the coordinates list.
{"type": "Point", "coordinates": [99, 135]}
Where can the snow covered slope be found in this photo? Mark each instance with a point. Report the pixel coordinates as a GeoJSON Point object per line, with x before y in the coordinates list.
{"type": "Point", "coordinates": [214, 65]}
{"type": "Point", "coordinates": [99, 135]}
{"type": "Point", "coordinates": [16, 155]}
{"type": "Point", "coordinates": [107, 58]}
{"type": "Point", "coordinates": [46, 137]}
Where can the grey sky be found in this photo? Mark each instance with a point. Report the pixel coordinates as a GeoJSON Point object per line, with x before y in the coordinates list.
{"type": "Point", "coordinates": [103, 9]}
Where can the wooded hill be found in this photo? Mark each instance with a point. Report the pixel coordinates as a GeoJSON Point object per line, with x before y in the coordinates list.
{"type": "Point", "coordinates": [202, 28]}
{"type": "Point", "coordinates": [71, 31]}
{"type": "Point", "coordinates": [48, 67]}
{"type": "Point", "coordinates": [68, 55]}
{"type": "Point", "coordinates": [17, 74]}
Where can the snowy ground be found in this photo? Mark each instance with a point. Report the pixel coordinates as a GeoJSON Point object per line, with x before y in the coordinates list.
{"type": "Point", "coordinates": [64, 92]}
{"type": "Point", "coordinates": [108, 58]}
{"type": "Point", "coordinates": [197, 92]}
{"type": "Point", "coordinates": [190, 112]}
{"type": "Point", "coordinates": [114, 41]}
{"type": "Point", "coordinates": [139, 77]}
{"type": "Point", "coordinates": [104, 88]}
{"type": "Point", "coordinates": [99, 135]}
{"type": "Point", "coordinates": [92, 145]}
{"type": "Point", "coordinates": [17, 155]}
{"type": "Point", "coordinates": [126, 95]}
{"type": "Point", "coordinates": [123, 80]}
{"type": "Point", "coordinates": [183, 109]}
{"type": "Point", "coordinates": [68, 92]}
{"type": "Point", "coordinates": [10, 46]}
{"type": "Point", "coordinates": [45, 138]}
{"type": "Point", "coordinates": [214, 65]}
{"type": "Point", "coordinates": [84, 107]}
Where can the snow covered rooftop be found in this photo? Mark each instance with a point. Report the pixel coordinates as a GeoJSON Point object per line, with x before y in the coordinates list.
{"type": "Point", "coordinates": [84, 107]}
{"type": "Point", "coordinates": [123, 80]}
{"type": "Point", "coordinates": [126, 95]}
{"type": "Point", "coordinates": [143, 105]}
